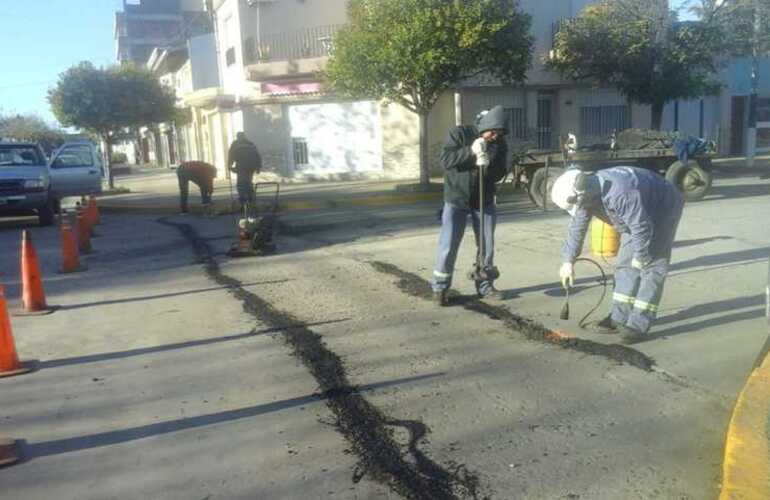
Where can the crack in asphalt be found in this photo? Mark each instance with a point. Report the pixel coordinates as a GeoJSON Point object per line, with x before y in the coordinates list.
{"type": "Point", "coordinates": [416, 286]}
{"type": "Point", "coordinates": [410, 473]}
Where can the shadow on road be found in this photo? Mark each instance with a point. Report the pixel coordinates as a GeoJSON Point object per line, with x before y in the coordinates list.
{"type": "Point", "coordinates": [708, 323]}
{"type": "Point", "coordinates": [720, 192]}
{"type": "Point", "coordinates": [95, 358]}
{"type": "Point", "coordinates": [699, 241]}
{"type": "Point", "coordinates": [738, 256]}
{"type": "Point", "coordinates": [162, 295]}
{"type": "Point", "coordinates": [30, 451]}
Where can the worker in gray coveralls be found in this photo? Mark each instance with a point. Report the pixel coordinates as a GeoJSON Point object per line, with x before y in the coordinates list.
{"type": "Point", "coordinates": [645, 209]}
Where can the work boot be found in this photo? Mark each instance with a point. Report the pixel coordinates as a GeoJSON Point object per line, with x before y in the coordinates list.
{"type": "Point", "coordinates": [491, 293]}
{"type": "Point", "coordinates": [606, 326]}
{"type": "Point", "coordinates": [630, 336]}
{"type": "Point", "coordinates": [440, 298]}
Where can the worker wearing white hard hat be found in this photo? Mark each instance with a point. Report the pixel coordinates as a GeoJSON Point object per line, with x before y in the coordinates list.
{"type": "Point", "coordinates": [645, 209]}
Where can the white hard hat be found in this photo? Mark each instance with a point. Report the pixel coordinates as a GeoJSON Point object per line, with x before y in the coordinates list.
{"type": "Point", "coordinates": [564, 189]}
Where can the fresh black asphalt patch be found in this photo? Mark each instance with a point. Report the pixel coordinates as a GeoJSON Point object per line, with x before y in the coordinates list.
{"type": "Point", "coordinates": [409, 472]}
{"type": "Point", "coordinates": [416, 286]}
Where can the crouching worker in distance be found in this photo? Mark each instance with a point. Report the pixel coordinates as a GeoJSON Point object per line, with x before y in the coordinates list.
{"type": "Point", "coordinates": [199, 173]}
{"type": "Point", "coordinates": [467, 150]}
{"type": "Point", "coordinates": [645, 209]}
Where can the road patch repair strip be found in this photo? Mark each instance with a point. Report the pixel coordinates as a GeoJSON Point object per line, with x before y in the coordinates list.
{"type": "Point", "coordinates": [416, 286]}
{"type": "Point", "coordinates": [369, 432]}
{"type": "Point", "coordinates": [746, 466]}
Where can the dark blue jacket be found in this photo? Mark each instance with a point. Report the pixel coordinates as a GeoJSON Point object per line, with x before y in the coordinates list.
{"type": "Point", "coordinates": [635, 201]}
{"type": "Point", "coordinates": [461, 180]}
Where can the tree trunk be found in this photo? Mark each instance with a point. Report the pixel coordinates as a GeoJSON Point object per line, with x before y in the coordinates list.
{"type": "Point", "coordinates": [139, 156]}
{"type": "Point", "coordinates": [108, 146]}
{"type": "Point", "coordinates": [424, 159]}
{"type": "Point", "coordinates": [657, 116]}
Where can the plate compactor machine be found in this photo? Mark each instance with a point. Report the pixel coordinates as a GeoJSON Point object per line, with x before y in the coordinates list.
{"type": "Point", "coordinates": [256, 228]}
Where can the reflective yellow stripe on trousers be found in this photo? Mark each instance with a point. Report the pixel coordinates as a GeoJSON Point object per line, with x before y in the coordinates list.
{"type": "Point", "coordinates": [623, 299]}
{"type": "Point", "coordinates": [645, 306]}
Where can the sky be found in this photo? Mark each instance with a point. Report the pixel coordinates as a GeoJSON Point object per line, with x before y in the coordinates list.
{"type": "Point", "coordinates": [40, 39]}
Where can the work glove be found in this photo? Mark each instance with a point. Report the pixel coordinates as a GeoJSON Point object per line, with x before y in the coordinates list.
{"type": "Point", "coordinates": [567, 274]}
{"type": "Point", "coordinates": [638, 264]}
{"type": "Point", "coordinates": [479, 146]}
{"type": "Point", "coordinates": [482, 160]}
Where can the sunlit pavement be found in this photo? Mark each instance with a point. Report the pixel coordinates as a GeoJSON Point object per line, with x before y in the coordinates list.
{"type": "Point", "coordinates": [162, 377]}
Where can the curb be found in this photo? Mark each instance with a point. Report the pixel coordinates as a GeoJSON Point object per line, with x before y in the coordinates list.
{"type": "Point", "coordinates": [289, 206]}
{"type": "Point", "coordinates": [746, 465]}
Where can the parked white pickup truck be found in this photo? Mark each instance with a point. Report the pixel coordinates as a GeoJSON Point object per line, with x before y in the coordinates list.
{"type": "Point", "coordinates": [28, 182]}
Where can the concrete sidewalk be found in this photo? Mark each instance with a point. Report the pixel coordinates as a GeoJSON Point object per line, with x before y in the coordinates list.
{"type": "Point", "coordinates": [746, 466]}
{"type": "Point", "coordinates": [155, 190]}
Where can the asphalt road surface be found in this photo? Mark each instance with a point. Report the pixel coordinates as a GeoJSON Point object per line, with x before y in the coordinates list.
{"type": "Point", "coordinates": [324, 371]}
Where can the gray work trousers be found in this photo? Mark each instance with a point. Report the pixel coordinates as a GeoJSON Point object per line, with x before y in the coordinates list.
{"type": "Point", "coordinates": [637, 292]}
{"type": "Point", "coordinates": [453, 221]}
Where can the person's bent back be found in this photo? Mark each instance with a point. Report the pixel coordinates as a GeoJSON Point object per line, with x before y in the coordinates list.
{"type": "Point", "coordinates": [200, 173]}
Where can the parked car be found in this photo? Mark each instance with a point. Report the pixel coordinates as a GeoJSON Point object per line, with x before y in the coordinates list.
{"type": "Point", "coordinates": [25, 182]}
{"type": "Point", "coordinates": [76, 169]}
{"type": "Point", "coordinates": [29, 183]}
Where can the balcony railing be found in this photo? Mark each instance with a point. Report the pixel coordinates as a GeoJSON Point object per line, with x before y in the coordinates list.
{"type": "Point", "coordinates": [303, 44]}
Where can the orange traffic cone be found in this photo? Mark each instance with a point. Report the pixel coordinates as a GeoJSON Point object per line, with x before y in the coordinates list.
{"type": "Point", "coordinates": [32, 296]}
{"type": "Point", "coordinates": [84, 233]}
{"type": "Point", "coordinates": [70, 257]}
{"type": "Point", "coordinates": [9, 360]}
{"type": "Point", "coordinates": [88, 214]}
{"type": "Point", "coordinates": [9, 452]}
{"type": "Point", "coordinates": [93, 208]}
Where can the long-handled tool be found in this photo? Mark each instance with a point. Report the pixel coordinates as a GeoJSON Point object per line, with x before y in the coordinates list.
{"type": "Point", "coordinates": [482, 272]}
{"type": "Point", "coordinates": [564, 314]}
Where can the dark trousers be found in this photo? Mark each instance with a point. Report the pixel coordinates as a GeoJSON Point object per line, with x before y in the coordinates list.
{"type": "Point", "coordinates": [185, 179]}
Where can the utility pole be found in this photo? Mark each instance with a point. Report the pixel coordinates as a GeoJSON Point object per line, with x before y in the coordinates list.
{"type": "Point", "coordinates": [751, 135]}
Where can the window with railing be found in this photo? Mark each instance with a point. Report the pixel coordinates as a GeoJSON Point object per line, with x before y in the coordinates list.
{"type": "Point", "coordinates": [601, 121]}
{"type": "Point", "coordinates": [300, 44]}
{"type": "Point", "coordinates": [516, 122]}
{"type": "Point", "coordinates": [299, 145]}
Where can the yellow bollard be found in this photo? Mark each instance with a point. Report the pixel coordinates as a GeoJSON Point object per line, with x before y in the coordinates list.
{"type": "Point", "coordinates": [605, 240]}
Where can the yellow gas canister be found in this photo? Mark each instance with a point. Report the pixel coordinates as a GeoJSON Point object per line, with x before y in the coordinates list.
{"type": "Point", "coordinates": [605, 240]}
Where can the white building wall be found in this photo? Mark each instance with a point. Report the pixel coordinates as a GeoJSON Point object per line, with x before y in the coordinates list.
{"type": "Point", "coordinates": [202, 52]}
{"type": "Point", "coordinates": [268, 18]}
{"type": "Point", "coordinates": [228, 25]}
{"type": "Point", "coordinates": [341, 138]}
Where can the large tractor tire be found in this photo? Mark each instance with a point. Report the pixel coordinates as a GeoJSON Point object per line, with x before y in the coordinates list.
{"type": "Point", "coordinates": [692, 179]}
{"type": "Point", "coordinates": [540, 187]}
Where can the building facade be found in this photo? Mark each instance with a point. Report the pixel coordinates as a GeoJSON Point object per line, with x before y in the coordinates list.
{"type": "Point", "coordinates": [271, 51]}
{"type": "Point", "coordinates": [266, 56]}
{"type": "Point", "coordinates": [143, 25]}
{"type": "Point", "coordinates": [191, 70]}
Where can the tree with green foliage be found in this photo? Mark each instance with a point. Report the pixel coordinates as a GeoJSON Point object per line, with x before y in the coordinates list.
{"type": "Point", "coordinates": [639, 47]}
{"type": "Point", "coordinates": [746, 24]}
{"type": "Point", "coordinates": [31, 128]}
{"type": "Point", "coordinates": [411, 51]}
{"type": "Point", "coordinates": [108, 101]}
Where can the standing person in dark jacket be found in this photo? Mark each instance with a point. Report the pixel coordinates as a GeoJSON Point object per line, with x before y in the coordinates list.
{"type": "Point", "coordinates": [467, 150]}
{"type": "Point", "coordinates": [245, 156]}
{"type": "Point", "coordinates": [199, 173]}
{"type": "Point", "coordinates": [645, 209]}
